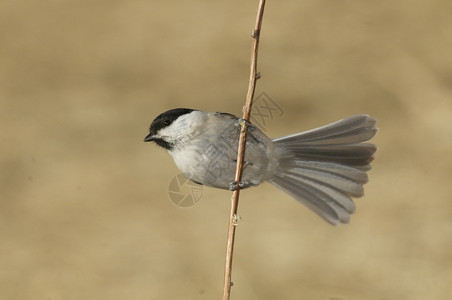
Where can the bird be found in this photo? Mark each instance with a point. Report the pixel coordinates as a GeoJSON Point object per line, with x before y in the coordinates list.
{"type": "Point", "coordinates": [322, 168]}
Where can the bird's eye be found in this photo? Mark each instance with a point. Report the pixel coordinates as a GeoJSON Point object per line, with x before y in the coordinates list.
{"type": "Point", "coordinates": [167, 122]}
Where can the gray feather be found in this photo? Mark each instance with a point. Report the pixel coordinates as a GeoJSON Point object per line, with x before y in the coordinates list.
{"type": "Point", "coordinates": [313, 198]}
{"type": "Point", "coordinates": [353, 129]}
{"type": "Point", "coordinates": [338, 182]}
{"type": "Point", "coordinates": [326, 166]}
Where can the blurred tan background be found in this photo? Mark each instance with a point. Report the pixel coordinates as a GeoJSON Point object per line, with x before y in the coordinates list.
{"type": "Point", "coordinates": [84, 208]}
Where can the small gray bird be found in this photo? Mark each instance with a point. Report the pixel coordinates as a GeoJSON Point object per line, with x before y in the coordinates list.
{"type": "Point", "coordinates": [321, 168]}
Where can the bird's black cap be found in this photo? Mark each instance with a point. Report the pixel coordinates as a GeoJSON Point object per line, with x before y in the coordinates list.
{"type": "Point", "coordinates": [163, 120]}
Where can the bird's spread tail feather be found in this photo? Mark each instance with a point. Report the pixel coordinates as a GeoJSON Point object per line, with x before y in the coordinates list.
{"type": "Point", "coordinates": [328, 166]}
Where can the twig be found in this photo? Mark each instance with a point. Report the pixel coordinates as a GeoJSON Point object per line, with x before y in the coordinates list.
{"type": "Point", "coordinates": [254, 75]}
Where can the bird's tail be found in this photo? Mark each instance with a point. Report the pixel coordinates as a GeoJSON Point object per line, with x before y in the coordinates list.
{"type": "Point", "coordinates": [328, 166]}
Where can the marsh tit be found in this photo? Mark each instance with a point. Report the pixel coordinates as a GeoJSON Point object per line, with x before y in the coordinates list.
{"type": "Point", "coordinates": [322, 168]}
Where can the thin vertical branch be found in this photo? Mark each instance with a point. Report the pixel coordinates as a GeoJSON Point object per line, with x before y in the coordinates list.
{"type": "Point", "coordinates": [233, 218]}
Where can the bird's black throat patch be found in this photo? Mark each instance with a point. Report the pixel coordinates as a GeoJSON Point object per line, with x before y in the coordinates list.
{"type": "Point", "coordinates": [164, 144]}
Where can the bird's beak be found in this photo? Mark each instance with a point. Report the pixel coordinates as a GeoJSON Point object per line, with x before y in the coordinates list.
{"type": "Point", "coordinates": [149, 138]}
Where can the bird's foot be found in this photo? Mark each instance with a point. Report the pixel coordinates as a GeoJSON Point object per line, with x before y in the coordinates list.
{"type": "Point", "coordinates": [233, 186]}
{"type": "Point", "coordinates": [242, 124]}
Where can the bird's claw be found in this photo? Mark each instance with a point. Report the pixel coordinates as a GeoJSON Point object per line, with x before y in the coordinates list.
{"type": "Point", "coordinates": [236, 185]}
{"type": "Point", "coordinates": [242, 124]}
